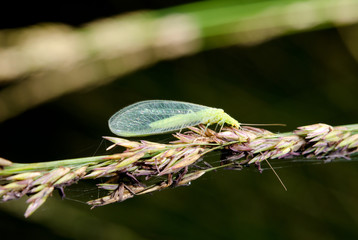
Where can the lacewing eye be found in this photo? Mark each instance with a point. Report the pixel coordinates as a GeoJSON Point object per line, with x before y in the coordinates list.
{"type": "Point", "coordinates": [159, 116]}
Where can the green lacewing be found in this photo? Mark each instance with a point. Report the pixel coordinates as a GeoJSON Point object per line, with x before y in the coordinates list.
{"type": "Point", "coordinates": [163, 116]}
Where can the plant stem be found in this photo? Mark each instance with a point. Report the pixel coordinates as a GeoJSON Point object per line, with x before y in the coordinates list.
{"type": "Point", "coordinates": [76, 162]}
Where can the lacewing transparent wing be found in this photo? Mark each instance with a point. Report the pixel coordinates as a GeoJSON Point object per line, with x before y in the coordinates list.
{"type": "Point", "coordinates": [157, 116]}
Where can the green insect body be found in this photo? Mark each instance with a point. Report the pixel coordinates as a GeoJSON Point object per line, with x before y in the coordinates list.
{"type": "Point", "coordinates": [207, 116]}
{"type": "Point", "coordinates": [162, 116]}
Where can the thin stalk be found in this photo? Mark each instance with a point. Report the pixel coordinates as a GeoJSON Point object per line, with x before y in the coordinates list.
{"type": "Point", "coordinates": [25, 167]}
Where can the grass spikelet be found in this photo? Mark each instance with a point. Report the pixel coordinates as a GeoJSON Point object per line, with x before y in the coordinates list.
{"type": "Point", "coordinates": [144, 166]}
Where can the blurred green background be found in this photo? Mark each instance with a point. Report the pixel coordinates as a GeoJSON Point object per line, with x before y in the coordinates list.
{"type": "Point", "coordinates": [297, 79]}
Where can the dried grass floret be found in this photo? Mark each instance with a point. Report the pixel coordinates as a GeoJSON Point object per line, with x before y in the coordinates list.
{"type": "Point", "coordinates": [144, 166]}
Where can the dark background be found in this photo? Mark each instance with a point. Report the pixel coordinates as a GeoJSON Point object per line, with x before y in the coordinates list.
{"type": "Point", "coordinates": [24, 13]}
{"type": "Point", "coordinates": [298, 80]}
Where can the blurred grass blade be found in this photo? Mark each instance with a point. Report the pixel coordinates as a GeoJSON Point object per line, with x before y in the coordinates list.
{"type": "Point", "coordinates": [70, 59]}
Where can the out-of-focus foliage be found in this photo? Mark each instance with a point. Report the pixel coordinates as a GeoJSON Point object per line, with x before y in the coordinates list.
{"type": "Point", "coordinates": [57, 59]}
